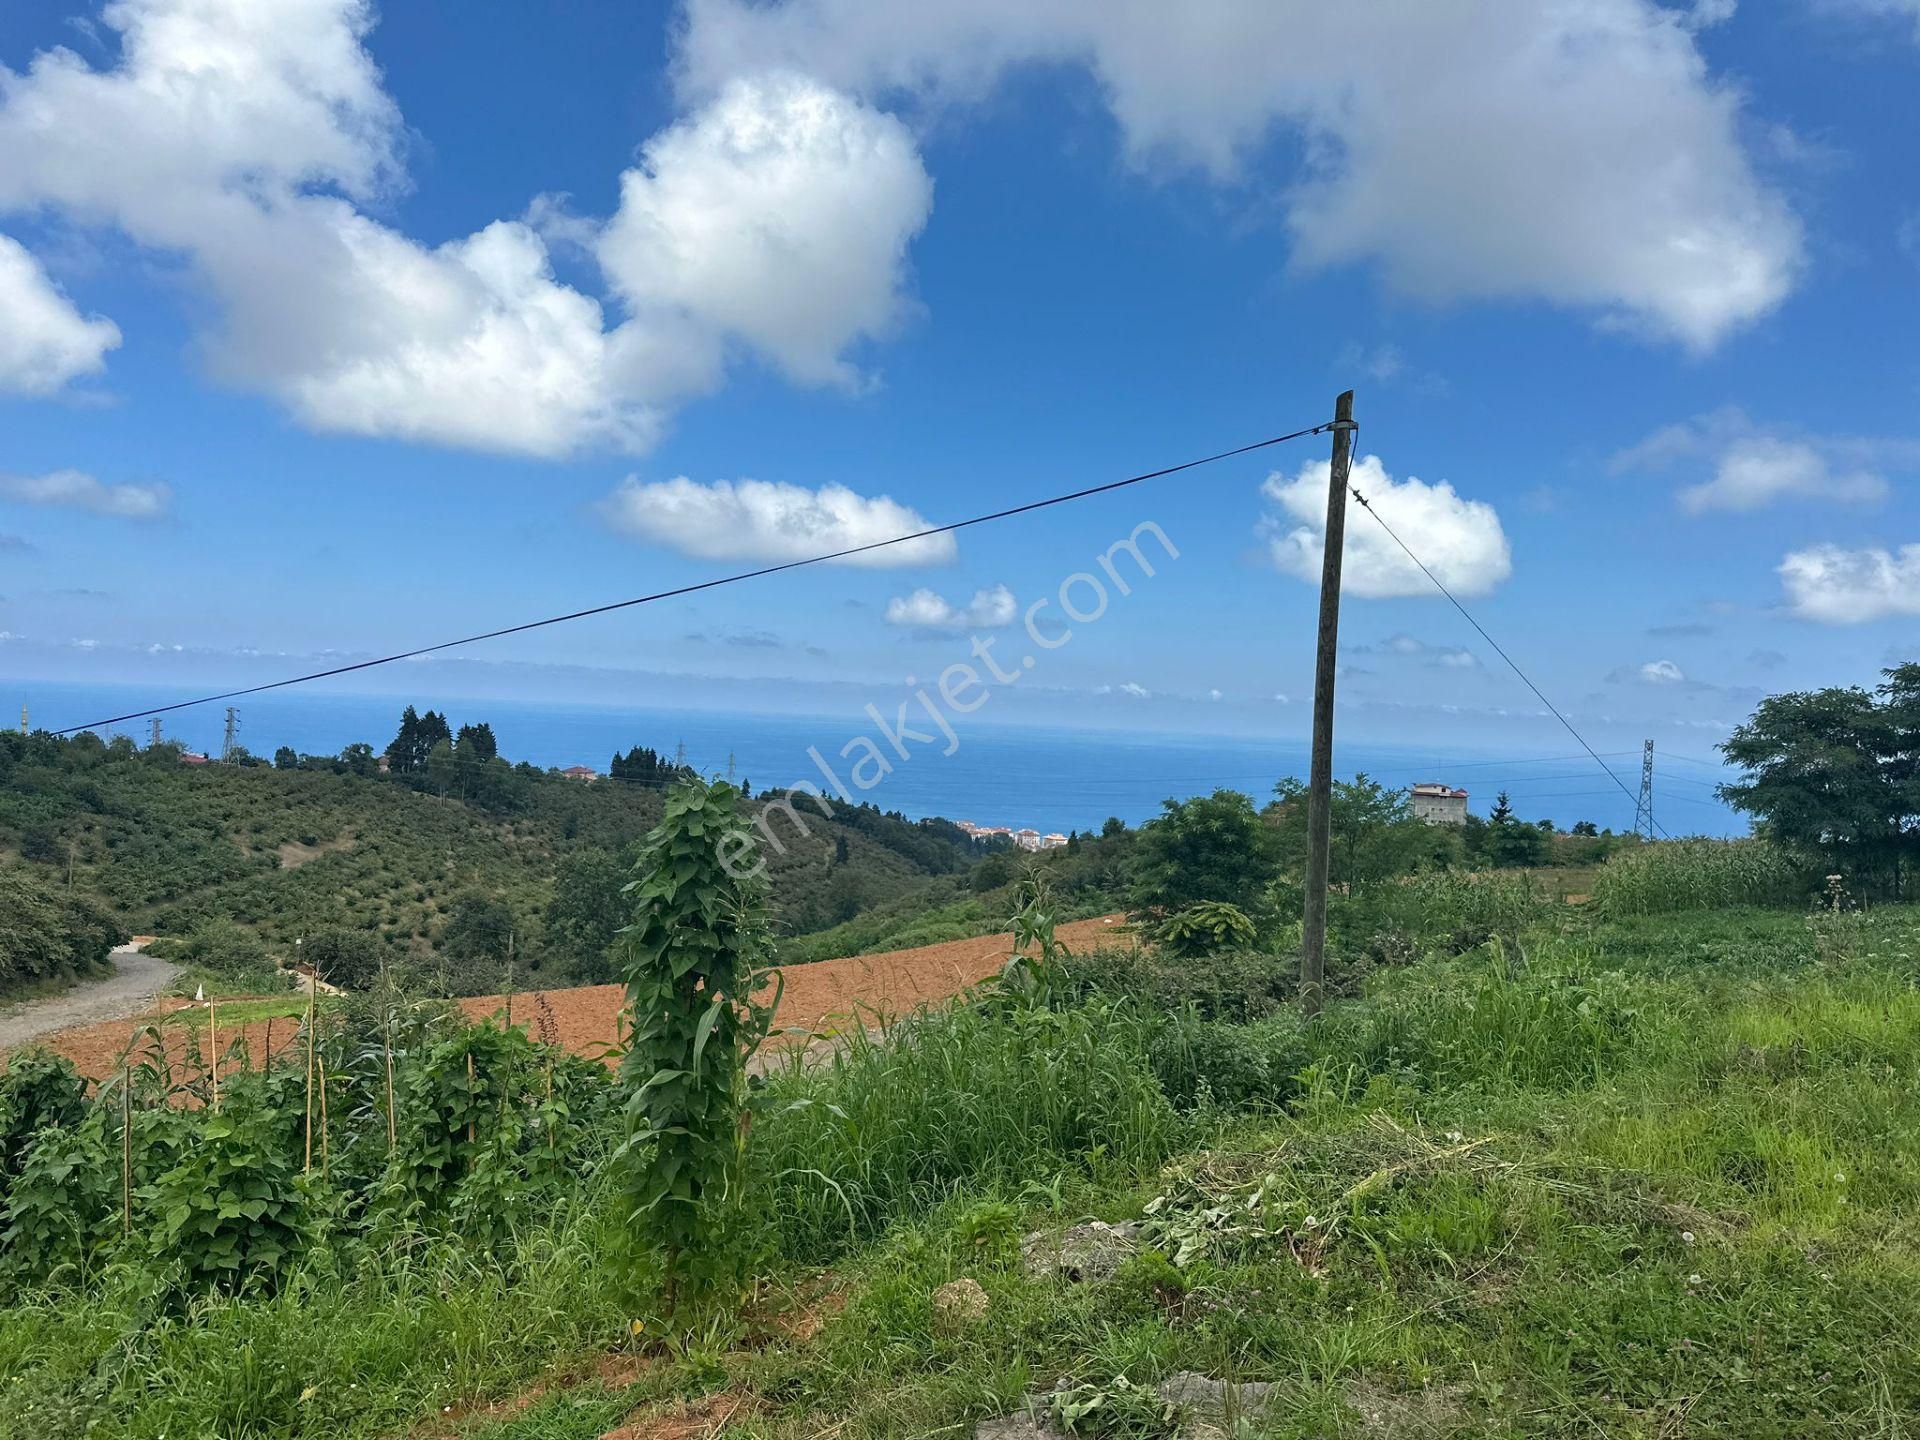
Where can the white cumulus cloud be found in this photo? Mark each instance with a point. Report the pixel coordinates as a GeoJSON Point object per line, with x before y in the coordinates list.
{"type": "Point", "coordinates": [1460, 540]}
{"type": "Point", "coordinates": [76, 490]}
{"type": "Point", "coordinates": [1577, 153]}
{"type": "Point", "coordinates": [929, 610]}
{"type": "Point", "coordinates": [771, 520]}
{"type": "Point", "coordinates": [44, 340]}
{"type": "Point", "coordinates": [1736, 464]}
{"type": "Point", "coordinates": [780, 215]}
{"type": "Point", "coordinates": [254, 139]}
{"type": "Point", "coordinates": [1837, 586]}
{"type": "Point", "coordinates": [1661, 672]}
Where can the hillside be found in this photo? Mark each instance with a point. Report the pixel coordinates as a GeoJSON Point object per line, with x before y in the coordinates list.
{"type": "Point", "coordinates": [168, 848]}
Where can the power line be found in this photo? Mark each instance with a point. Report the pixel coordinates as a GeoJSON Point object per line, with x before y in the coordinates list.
{"type": "Point", "coordinates": [851, 550]}
{"type": "Point", "coordinates": [1511, 663]}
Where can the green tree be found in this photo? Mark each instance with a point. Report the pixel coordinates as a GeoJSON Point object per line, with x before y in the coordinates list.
{"type": "Point", "coordinates": [480, 927]}
{"type": "Point", "coordinates": [442, 769]}
{"type": "Point", "coordinates": [693, 962]}
{"type": "Point", "coordinates": [343, 957]}
{"type": "Point", "coordinates": [477, 742]}
{"type": "Point", "coordinates": [996, 870]}
{"type": "Point", "coordinates": [405, 755]}
{"type": "Point", "coordinates": [588, 910]}
{"type": "Point", "coordinates": [285, 758]}
{"type": "Point", "coordinates": [1838, 771]}
{"type": "Point", "coordinates": [358, 758]}
{"type": "Point", "coordinates": [1212, 847]}
{"type": "Point", "coordinates": [1372, 835]}
{"type": "Point", "coordinates": [1511, 843]}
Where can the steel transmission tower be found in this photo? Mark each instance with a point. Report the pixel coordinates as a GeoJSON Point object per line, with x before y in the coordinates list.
{"type": "Point", "coordinates": [233, 727]}
{"type": "Point", "coordinates": [153, 742]}
{"type": "Point", "coordinates": [1643, 812]}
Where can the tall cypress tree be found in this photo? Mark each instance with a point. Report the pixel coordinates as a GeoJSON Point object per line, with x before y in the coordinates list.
{"type": "Point", "coordinates": [403, 752]}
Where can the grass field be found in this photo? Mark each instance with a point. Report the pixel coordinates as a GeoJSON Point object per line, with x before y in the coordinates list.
{"type": "Point", "coordinates": [1661, 1181]}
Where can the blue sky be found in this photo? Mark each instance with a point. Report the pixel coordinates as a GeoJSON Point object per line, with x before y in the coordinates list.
{"type": "Point", "coordinates": [327, 330]}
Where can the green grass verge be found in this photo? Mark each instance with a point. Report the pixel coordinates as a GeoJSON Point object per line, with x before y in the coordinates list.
{"type": "Point", "coordinates": [1653, 1177]}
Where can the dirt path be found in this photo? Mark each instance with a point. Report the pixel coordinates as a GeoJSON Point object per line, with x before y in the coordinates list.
{"type": "Point", "coordinates": [820, 999]}
{"type": "Point", "coordinates": [137, 978]}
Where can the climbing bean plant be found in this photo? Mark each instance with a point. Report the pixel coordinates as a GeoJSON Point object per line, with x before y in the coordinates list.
{"type": "Point", "coordinates": [694, 960]}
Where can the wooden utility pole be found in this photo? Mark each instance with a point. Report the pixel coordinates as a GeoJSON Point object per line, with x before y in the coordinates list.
{"type": "Point", "coordinates": [1313, 936]}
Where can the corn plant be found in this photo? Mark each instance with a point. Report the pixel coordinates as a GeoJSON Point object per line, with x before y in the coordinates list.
{"type": "Point", "coordinates": [1677, 875]}
{"type": "Point", "coordinates": [1035, 974]}
{"type": "Point", "coordinates": [692, 960]}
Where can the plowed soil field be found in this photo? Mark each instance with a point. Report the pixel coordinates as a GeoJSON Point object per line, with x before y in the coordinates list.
{"type": "Point", "coordinates": [820, 1000]}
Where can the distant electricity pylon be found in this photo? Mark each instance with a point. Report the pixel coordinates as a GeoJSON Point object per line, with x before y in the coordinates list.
{"type": "Point", "coordinates": [1643, 812]}
{"type": "Point", "coordinates": [233, 727]}
{"type": "Point", "coordinates": [153, 740]}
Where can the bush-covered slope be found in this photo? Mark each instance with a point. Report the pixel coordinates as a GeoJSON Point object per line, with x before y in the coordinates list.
{"type": "Point", "coordinates": [166, 847]}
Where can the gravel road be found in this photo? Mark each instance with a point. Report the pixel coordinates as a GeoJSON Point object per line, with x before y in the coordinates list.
{"type": "Point", "coordinates": [137, 978]}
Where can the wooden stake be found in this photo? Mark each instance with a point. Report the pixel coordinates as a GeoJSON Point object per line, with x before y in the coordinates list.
{"type": "Point", "coordinates": [313, 997]}
{"type": "Point", "coordinates": [469, 1101]}
{"type": "Point", "coordinates": [213, 1055]}
{"type": "Point", "coordinates": [323, 1117]}
{"type": "Point", "coordinates": [1313, 930]}
{"type": "Point", "coordinates": [126, 1151]}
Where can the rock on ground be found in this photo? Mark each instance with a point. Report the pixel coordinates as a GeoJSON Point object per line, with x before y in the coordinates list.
{"type": "Point", "coordinates": [1014, 1427]}
{"type": "Point", "coordinates": [1215, 1402]}
{"type": "Point", "coordinates": [1092, 1251]}
{"type": "Point", "coordinates": [1208, 1409]}
{"type": "Point", "coordinates": [959, 1303]}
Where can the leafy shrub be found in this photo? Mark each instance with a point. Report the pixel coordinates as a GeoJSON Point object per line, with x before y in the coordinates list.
{"type": "Point", "coordinates": [348, 958]}
{"type": "Point", "coordinates": [1435, 912]}
{"type": "Point", "coordinates": [1211, 847]}
{"type": "Point", "coordinates": [233, 1210]}
{"type": "Point", "coordinates": [47, 933]}
{"type": "Point", "coordinates": [38, 1090]}
{"type": "Point", "coordinates": [1235, 986]}
{"type": "Point", "coordinates": [1208, 928]}
{"type": "Point", "coordinates": [63, 1207]}
{"type": "Point", "coordinates": [226, 949]}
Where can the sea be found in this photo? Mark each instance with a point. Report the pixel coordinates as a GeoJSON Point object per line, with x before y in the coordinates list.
{"type": "Point", "coordinates": [1051, 779]}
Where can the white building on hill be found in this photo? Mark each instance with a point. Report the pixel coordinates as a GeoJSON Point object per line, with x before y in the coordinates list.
{"type": "Point", "coordinates": [1439, 804]}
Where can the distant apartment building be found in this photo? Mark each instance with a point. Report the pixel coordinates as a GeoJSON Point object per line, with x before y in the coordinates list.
{"type": "Point", "coordinates": [581, 772]}
{"type": "Point", "coordinates": [1439, 804]}
{"type": "Point", "coordinates": [1023, 839]}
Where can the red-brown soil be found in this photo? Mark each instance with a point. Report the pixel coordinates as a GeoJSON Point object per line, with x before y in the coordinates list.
{"type": "Point", "coordinates": [822, 999]}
